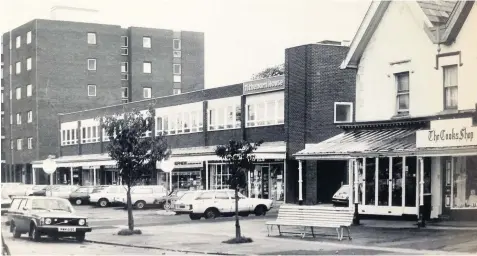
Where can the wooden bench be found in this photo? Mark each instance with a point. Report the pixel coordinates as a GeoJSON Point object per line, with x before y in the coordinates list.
{"type": "Point", "coordinates": [313, 216]}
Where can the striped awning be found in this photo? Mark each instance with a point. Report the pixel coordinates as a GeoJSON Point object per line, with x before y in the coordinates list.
{"type": "Point", "coordinates": [362, 142]}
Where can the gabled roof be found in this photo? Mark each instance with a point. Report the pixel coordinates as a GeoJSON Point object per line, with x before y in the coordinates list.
{"type": "Point", "coordinates": [444, 19]}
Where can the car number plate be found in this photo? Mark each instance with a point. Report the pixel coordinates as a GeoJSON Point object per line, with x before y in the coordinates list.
{"type": "Point", "coordinates": [66, 229]}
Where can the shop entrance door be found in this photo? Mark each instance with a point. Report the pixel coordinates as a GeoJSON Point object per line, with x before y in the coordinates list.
{"type": "Point", "coordinates": [260, 182]}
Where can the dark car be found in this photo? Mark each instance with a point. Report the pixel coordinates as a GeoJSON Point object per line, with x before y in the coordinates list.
{"type": "Point", "coordinates": [166, 202]}
{"type": "Point", "coordinates": [51, 216]}
{"type": "Point", "coordinates": [81, 195]}
{"type": "Point", "coordinates": [41, 192]}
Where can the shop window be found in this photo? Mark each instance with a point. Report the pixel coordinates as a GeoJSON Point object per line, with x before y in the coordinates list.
{"type": "Point", "coordinates": [219, 176]}
{"type": "Point", "coordinates": [266, 109]}
{"type": "Point", "coordinates": [464, 182]}
{"type": "Point", "coordinates": [397, 181]}
{"type": "Point", "coordinates": [370, 181]}
{"type": "Point", "coordinates": [402, 95]}
{"type": "Point", "coordinates": [410, 181]}
{"type": "Point", "coordinates": [383, 181]}
{"type": "Point", "coordinates": [450, 87]}
{"type": "Point", "coordinates": [343, 112]}
{"type": "Point", "coordinates": [187, 180]}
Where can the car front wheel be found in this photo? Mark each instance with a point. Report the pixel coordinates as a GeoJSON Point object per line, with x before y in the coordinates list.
{"type": "Point", "coordinates": [260, 210]}
{"type": "Point", "coordinates": [194, 216]}
{"type": "Point", "coordinates": [211, 213]}
{"type": "Point", "coordinates": [140, 205]}
{"type": "Point", "coordinates": [34, 235]}
{"type": "Point", "coordinates": [78, 201]}
{"type": "Point", "coordinates": [15, 232]}
{"type": "Point", "coordinates": [103, 202]}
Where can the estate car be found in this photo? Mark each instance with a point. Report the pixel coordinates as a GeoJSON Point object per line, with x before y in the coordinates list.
{"type": "Point", "coordinates": [51, 216]}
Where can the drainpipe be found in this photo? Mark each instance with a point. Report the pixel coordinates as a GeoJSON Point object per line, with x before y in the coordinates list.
{"type": "Point", "coordinates": [300, 182]}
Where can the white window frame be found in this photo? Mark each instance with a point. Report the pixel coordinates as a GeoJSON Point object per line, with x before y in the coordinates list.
{"type": "Point", "coordinates": [182, 119]}
{"type": "Point", "coordinates": [18, 67]}
{"type": "Point", "coordinates": [147, 42]}
{"type": "Point", "coordinates": [18, 42]}
{"type": "Point", "coordinates": [12, 144]}
{"type": "Point", "coordinates": [28, 40]}
{"type": "Point", "coordinates": [177, 54]}
{"type": "Point", "coordinates": [90, 93]}
{"type": "Point", "coordinates": [11, 69]}
{"type": "Point", "coordinates": [19, 118]}
{"type": "Point", "coordinates": [18, 93]}
{"type": "Point", "coordinates": [124, 39]}
{"type": "Point", "coordinates": [124, 51]}
{"type": "Point", "coordinates": [174, 44]}
{"type": "Point", "coordinates": [29, 116]}
{"type": "Point", "coordinates": [178, 67]}
{"type": "Point", "coordinates": [94, 62]}
{"type": "Point", "coordinates": [30, 143]}
{"type": "Point", "coordinates": [124, 67]}
{"type": "Point", "coordinates": [177, 79]}
{"type": "Point", "coordinates": [19, 144]}
{"type": "Point", "coordinates": [87, 132]}
{"type": "Point", "coordinates": [218, 112]}
{"type": "Point", "coordinates": [343, 103]}
{"type": "Point", "coordinates": [262, 118]}
{"type": "Point", "coordinates": [176, 91]}
{"type": "Point", "coordinates": [29, 89]}
{"type": "Point", "coordinates": [124, 95]}
{"type": "Point", "coordinates": [402, 93]}
{"type": "Point", "coordinates": [145, 66]}
{"type": "Point", "coordinates": [91, 38]}
{"type": "Point", "coordinates": [456, 66]}
{"type": "Point", "coordinates": [73, 138]}
{"type": "Point", "coordinates": [147, 92]}
{"type": "Point", "coordinates": [28, 66]}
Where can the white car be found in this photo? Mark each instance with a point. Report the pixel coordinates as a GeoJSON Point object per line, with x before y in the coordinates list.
{"type": "Point", "coordinates": [104, 195]}
{"type": "Point", "coordinates": [61, 191]}
{"type": "Point", "coordinates": [214, 203]}
{"type": "Point", "coordinates": [341, 196]}
{"type": "Point", "coordinates": [141, 196]}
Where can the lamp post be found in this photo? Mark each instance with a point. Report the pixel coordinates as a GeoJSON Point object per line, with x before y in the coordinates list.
{"type": "Point", "coordinates": [49, 167]}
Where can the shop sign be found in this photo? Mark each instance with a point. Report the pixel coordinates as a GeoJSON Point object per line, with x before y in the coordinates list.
{"type": "Point", "coordinates": [264, 85]}
{"type": "Point", "coordinates": [448, 133]}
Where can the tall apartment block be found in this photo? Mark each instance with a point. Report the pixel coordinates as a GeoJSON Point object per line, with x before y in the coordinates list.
{"type": "Point", "coordinates": [51, 67]}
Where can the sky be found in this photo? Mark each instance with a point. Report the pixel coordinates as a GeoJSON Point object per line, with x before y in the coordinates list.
{"type": "Point", "coordinates": [242, 37]}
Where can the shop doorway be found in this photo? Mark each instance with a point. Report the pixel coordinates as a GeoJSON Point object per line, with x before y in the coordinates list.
{"type": "Point", "coordinates": [267, 181]}
{"type": "Point", "coordinates": [331, 175]}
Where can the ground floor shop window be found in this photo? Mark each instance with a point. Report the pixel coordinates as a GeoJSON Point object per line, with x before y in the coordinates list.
{"type": "Point", "coordinates": [464, 182]}
{"type": "Point", "coordinates": [219, 176]}
{"type": "Point", "coordinates": [187, 180]}
{"type": "Point", "coordinates": [266, 181]}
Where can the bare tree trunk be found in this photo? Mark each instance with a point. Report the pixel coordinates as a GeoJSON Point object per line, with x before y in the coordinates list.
{"type": "Point", "coordinates": [130, 213]}
{"type": "Point", "coordinates": [237, 224]}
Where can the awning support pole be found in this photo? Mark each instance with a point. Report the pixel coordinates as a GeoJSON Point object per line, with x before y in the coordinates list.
{"type": "Point", "coordinates": [420, 166]}
{"type": "Point", "coordinates": [33, 174]}
{"type": "Point", "coordinates": [94, 176]}
{"type": "Point", "coordinates": [206, 175]}
{"type": "Point", "coordinates": [356, 194]}
{"type": "Point", "coordinates": [71, 175]}
{"type": "Point", "coordinates": [285, 181]}
{"type": "Point", "coordinates": [300, 182]}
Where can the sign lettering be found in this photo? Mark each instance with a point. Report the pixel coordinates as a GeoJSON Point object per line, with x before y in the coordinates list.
{"type": "Point", "coordinates": [442, 136]}
{"type": "Point", "coordinates": [264, 85]}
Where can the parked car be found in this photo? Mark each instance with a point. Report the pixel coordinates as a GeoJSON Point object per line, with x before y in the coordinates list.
{"type": "Point", "coordinates": [81, 195]}
{"type": "Point", "coordinates": [62, 191]}
{"type": "Point", "coordinates": [104, 196]}
{"type": "Point", "coordinates": [214, 203]}
{"type": "Point", "coordinates": [165, 202]}
{"type": "Point", "coordinates": [42, 192]}
{"type": "Point", "coordinates": [32, 189]}
{"type": "Point", "coordinates": [16, 189]}
{"type": "Point", "coordinates": [142, 196]}
{"type": "Point", "coordinates": [341, 196]}
{"type": "Point", "coordinates": [51, 216]}
{"type": "Point", "coordinates": [6, 201]}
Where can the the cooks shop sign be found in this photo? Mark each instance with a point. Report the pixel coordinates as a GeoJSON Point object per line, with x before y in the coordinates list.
{"type": "Point", "coordinates": [448, 133]}
{"type": "Point", "coordinates": [264, 85]}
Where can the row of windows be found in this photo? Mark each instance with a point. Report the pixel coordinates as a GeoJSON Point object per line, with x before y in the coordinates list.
{"type": "Point", "coordinates": [450, 84]}
{"type": "Point", "coordinates": [20, 143]}
{"type": "Point", "coordinates": [179, 122]}
{"type": "Point", "coordinates": [18, 92]}
{"type": "Point", "coordinates": [18, 66]}
{"type": "Point", "coordinates": [19, 118]}
{"type": "Point", "coordinates": [18, 41]}
{"type": "Point", "coordinates": [265, 113]}
{"type": "Point", "coordinates": [146, 41]}
{"type": "Point", "coordinates": [225, 117]}
{"type": "Point", "coordinates": [89, 134]}
{"type": "Point", "coordinates": [146, 69]}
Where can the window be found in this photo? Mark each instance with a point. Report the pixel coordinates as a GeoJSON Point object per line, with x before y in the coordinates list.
{"type": "Point", "coordinates": [29, 90]}
{"type": "Point", "coordinates": [91, 38]}
{"type": "Point", "coordinates": [224, 114]}
{"type": "Point", "coordinates": [206, 196]}
{"type": "Point", "coordinates": [402, 95]}
{"type": "Point", "coordinates": [11, 69]}
{"type": "Point", "coordinates": [221, 195]}
{"type": "Point", "coordinates": [29, 64]}
{"type": "Point", "coordinates": [91, 90]}
{"type": "Point", "coordinates": [2, 97]}
{"type": "Point", "coordinates": [265, 109]}
{"type": "Point", "coordinates": [91, 64]}
{"type": "Point", "coordinates": [124, 51]}
{"type": "Point", "coordinates": [147, 67]}
{"type": "Point", "coordinates": [28, 40]}
{"type": "Point", "coordinates": [176, 44]}
{"type": "Point", "coordinates": [11, 119]}
{"type": "Point", "coordinates": [18, 93]}
{"type": "Point", "coordinates": [124, 67]}
{"type": "Point", "coordinates": [19, 144]}
{"type": "Point", "coordinates": [30, 143]}
{"type": "Point", "coordinates": [464, 182]}
{"type": "Point", "coordinates": [18, 67]}
{"type": "Point", "coordinates": [146, 41]}
{"type": "Point", "coordinates": [124, 93]}
{"type": "Point", "coordinates": [18, 42]}
{"type": "Point", "coordinates": [343, 112]}
{"type": "Point", "coordinates": [69, 136]}
{"type": "Point", "coordinates": [177, 54]}
{"type": "Point", "coordinates": [177, 79]}
{"type": "Point", "coordinates": [187, 118]}
{"type": "Point", "coordinates": [450, 87]}
{"type": "Point", "coordinates": [177, 69]}
{"type": "Point", "coordinates": [89, 134]}
{"type": "Point", "coordinates": [176, 91]}
{"type": "Point", "coordinates": [19, 118]}
{"type": "Point", "coordinates": [124, 41]}
{"type": "Point", "coordinates": [29, 116]}
{"type": "Point", "coordinates": [146, 92]}
{"type": "Point", "coordinates": [219, 176]}
{"type": "Point", "coordinates": [12, 144]}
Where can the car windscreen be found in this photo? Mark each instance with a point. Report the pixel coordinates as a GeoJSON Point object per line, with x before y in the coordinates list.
{"type": "Point", "coordinates": [187, 196]}
{"type": "Point", "coordinates": [51, 204]}
{"type": "Point", "coordinates": [83, 190]}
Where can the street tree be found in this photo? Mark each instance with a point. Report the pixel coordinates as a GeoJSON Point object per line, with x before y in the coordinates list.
{"type": "Point", "coordinates": [270, 72]}
{"type": "Point", "coordinates": [240, 158]}
{"type": "Point", "coordinates": [134, 152]}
